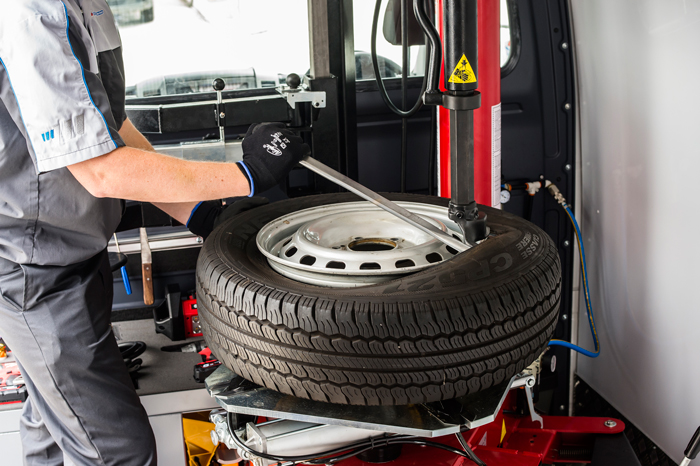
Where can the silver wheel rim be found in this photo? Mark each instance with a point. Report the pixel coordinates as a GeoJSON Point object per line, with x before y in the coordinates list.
{"type": "Point", "coordinates": [353, 244]}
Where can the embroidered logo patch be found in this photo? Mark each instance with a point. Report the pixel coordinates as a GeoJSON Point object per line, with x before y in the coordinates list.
{"type": "Point", "coordinates": [47, 136]}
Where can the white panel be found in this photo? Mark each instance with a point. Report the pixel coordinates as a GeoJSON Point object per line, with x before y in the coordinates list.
{"type": "Point", "coordinates": [9, 420]}
{"type": "Point", "coordinates": [178, 402]}
{"type": "Point", "coordinates": [170, 440]}
{"type": "Point", "coordinates": [639, 100]}
{"type": "Point", "coordinates": [165, 415]}
{"type": "Point", "coordinates": [11, 449]}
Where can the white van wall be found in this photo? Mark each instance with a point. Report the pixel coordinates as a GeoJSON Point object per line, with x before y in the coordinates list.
{"type": "Point", "coordinates": [638, 70]}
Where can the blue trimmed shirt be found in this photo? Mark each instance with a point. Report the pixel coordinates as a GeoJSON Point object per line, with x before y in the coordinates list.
{"type": "Point", "coordinates": [61, 102]}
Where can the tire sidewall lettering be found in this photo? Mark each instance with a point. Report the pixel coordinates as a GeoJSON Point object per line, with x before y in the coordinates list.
{"type": "Point", "coordinates": [502, 262]}
{"type": "Point", "coordinates": [527, 246]}
{"type": "Point", "coordinates": [242, 233]}
{"type": "Point", "coordinates": [422, 284]}
{"type": "Point", "coordinates": [485, 269]}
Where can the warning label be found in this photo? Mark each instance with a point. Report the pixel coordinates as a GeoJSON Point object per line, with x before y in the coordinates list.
{"type": "Point", "coordinates": [463, 72]}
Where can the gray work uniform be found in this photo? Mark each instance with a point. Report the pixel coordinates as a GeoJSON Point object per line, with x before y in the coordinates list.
{"type": "Point", "coordinates": [62, 102]}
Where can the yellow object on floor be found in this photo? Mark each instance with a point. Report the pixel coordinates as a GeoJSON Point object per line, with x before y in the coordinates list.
{"type": "Point", "coordinates": [200, 449]}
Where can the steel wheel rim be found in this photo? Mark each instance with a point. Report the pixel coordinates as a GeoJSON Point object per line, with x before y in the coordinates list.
{"type": "Point", "coordinates": [353, 244]}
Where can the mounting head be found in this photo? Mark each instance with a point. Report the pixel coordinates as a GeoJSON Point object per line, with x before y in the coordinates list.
{"type": "Point", "coordinates": [470, 221]}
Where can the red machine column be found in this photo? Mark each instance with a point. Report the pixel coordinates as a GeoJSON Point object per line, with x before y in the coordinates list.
{"type": "Point", "coordinates": [487, 118]}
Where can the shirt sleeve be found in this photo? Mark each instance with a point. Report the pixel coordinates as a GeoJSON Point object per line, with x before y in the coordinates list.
{"type": "Point", "coordinates": [60, 104]}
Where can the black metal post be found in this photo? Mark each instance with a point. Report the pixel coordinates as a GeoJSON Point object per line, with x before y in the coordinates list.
{"type": "Point", "coordinates": [334, 135]}
{"type": "Point", "coordinates": [462, 157]}
{"type": "Point", "coordinates": [404, 90]}
{"type": "Point", "coordinates": [460, 26]}
{"type": "Point", "coordinates": [461, 81]}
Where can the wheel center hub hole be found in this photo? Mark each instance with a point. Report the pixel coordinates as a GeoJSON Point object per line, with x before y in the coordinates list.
{"type": "Point", "coordinates": [372, 244]}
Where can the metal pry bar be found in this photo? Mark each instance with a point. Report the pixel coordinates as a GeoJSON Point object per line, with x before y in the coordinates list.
{"type": "Point", "coordinates": [382, 202]}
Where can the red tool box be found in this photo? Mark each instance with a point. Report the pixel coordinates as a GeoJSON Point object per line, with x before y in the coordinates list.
{"type": "Point", "coordinates": [12, 387]}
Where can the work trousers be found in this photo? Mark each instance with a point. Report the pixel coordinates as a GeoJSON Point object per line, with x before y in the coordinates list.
{"type": "Point", "coordinates": [82, 404]}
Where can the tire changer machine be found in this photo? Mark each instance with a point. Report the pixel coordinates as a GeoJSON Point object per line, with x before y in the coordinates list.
{"type": "Point", "coordinates": [495, 427]}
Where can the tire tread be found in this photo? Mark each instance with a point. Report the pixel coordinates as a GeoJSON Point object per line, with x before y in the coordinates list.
{"type": "Point", "coordinates": [368, 352]}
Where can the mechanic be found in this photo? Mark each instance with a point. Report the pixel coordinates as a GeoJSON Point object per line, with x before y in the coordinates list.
{"type": "Point", "coordinates": [67, 155]}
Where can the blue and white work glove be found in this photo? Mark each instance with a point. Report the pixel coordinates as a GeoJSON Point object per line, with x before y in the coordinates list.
{"type": "Point", "coordinates": [270, 151]}
{"type": "Point", "coordinates": [208, 215]}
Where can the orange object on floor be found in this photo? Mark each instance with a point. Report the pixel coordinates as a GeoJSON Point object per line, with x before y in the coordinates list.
{"type": "Point", "coordinates": [200, 449]}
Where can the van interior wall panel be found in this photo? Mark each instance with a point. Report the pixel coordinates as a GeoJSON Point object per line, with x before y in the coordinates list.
{"type": "Point", "coordinates": [637, 72]}
{"type": "Point", "coordinates": [538, 141]}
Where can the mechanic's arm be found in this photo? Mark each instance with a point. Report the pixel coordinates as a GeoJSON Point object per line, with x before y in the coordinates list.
{"type": "Point", "coordinates": [129, 173]}
{"type": "Point", "coordinates": [269, 152]}
{"type": "Point", "coordinates": [133, 138]}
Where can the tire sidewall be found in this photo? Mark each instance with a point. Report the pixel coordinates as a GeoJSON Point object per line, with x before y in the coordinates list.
{"type": "Point", "coordinates": [514, 248]}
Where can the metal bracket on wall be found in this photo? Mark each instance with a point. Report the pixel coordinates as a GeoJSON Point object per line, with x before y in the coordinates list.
{"type": "Point", "coordinates": [317, 98]}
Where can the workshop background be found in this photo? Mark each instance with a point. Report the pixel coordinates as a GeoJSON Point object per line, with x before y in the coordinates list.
{"type": "Point", "coordinates": [597, 96]}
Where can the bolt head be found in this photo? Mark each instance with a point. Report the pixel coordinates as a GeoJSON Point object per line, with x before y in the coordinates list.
{"type": "Point", "coordinates": [564, 317]}
{"type": "Point", "coordinates": [222, 115]}
{"type": "Point", "coordinates": [567, 106]}
{"type": "Point", "coordinates": [199, 239]}
{"type": "Point", "coordinates": [562, 408]}
{"type": "Point", "coordinates": [610, 423]}
{"type": "Point", "coordinates": [531, 382]}
{"type": "Point", "coordinates": [214, 437]}
{"type": "Point", "coordinates": [567, 167]}
{"type": "Point", "coordinates": [564, 45]}
{"type": "Point", "coordinates": [566, 244]}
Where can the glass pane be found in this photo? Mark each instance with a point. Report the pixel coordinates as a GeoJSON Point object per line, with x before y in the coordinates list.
{"type": "Point", "coordinates": [505, 33]}
{"type": "Point", "coordinates": [388, 55]}
{"type": "Point", "coordinates": [180, 46]}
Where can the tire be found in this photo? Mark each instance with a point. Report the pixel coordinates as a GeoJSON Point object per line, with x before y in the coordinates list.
{"type": "Point", "coordinates": [458, 327]}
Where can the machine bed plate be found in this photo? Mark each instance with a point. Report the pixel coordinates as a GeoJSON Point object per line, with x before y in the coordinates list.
{"type": "Point", "coordinates": [238, 395]}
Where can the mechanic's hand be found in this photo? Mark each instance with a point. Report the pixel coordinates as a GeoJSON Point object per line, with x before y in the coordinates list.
{"type": "Point", "coordinates": [208, 215]}
{"type": "Point", "coordinates": [269, 152]}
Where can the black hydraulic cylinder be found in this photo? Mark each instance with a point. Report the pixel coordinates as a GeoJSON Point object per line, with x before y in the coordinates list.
{"type": "Point", "coordinates": [461, 80]}
{"type": "Point", "coordinates": [461, 46]}
{"type": "Point", "coordinates": [462, 156]}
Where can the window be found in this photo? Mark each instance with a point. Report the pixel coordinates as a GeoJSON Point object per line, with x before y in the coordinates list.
{"type": "Point", "coordinates": [388, 55]}
{"type": "Point", "coordinates": [505, 33]}
{"type": "Point", "coordinates": [180, 46]}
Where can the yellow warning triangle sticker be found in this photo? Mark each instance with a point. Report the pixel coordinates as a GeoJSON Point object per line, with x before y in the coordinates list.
{"type": "Point", "coordinates": [463, 72]}
{"type": "Point", "coordinates": [503, 432]}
